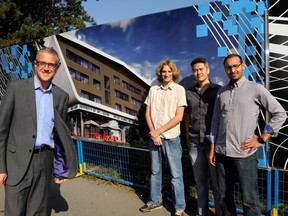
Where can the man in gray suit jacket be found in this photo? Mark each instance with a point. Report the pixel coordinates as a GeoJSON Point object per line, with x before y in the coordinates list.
{"type": "Point", "coordinates": [34, 139]}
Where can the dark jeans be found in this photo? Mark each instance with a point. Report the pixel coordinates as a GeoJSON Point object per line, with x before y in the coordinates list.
{"type": "Point", "coordinates": [246, 170]}
{"type": "Point", "coordinates": [203, 171]}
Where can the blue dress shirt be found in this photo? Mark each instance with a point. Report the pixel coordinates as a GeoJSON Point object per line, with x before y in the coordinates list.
{"type": "Point", "coordinates": [45, 115]}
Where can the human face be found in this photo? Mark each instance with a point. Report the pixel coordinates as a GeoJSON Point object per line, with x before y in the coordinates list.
{"type": "Point", "coordinates": [200, 72]}
{"type": "Point", "coordinates": [234, 68]}
{"type": "Point", "coordinates": [167, 75]}
{"type": "Point", "coordinates": [45, 67]}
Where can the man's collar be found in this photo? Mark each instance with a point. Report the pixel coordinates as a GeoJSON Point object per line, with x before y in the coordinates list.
{"type": "Point", "coordinates": [37, 85]}
{"type": "Point", "coordinates": [238, 83]}
{"type": "Point", "coordinates": [169, 86]}
{"type": "Point", "coordinates": [211, 85]}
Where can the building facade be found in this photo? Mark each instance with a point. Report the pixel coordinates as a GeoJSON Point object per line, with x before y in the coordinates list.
{"type": "Point", "coordinates": [105, 93]}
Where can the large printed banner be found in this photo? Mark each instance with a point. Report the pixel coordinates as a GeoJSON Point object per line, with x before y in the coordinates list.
{"type": "Point", "coordinates": [278, 75]}
{"type": "Point", "coordinates": [211, 30]}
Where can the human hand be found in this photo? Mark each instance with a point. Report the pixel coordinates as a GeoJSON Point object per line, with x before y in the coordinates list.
{"type": "Point", "coordinates": [157, 141]}
{"type": "Point", "coordinates": [58, 180]}
{"type": "Point", "coordinates": [212, 157]}
{"type": "Point", "coordinates": [250, 144]}
{"type": "Point", "coordinates": [154, 134]}
{"type": "Point", "coordinates": [3, 177]}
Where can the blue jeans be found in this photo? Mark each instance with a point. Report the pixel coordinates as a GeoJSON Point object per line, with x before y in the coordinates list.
{"type": "Point", "coordinates": [203, 171]}
{"type": "Point", "coordinates": [246, 170]}
{"type": "Point", "coordinates": [171, 151]}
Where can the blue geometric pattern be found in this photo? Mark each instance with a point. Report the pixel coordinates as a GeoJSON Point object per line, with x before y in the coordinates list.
{"type": "Point", "coordinates": [239, 27]}
{"type": "Point", "coordinates": [14, 64]}
{"type": "Point", "coordinates": [202, 30]}
{"type": "Point", "coordinates": [15, 59]}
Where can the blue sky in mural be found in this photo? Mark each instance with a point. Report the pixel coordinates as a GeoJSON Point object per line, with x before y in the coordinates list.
{"type": "Point", "coordinates": [144, 41]}
{"type": "Point", "coordinates": [106, 11]}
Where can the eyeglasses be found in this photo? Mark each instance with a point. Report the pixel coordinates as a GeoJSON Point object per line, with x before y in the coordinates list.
{"type": "Point", "coordinates": [233, 67]}
{"type": "Point", "coordinates": [43, 64]}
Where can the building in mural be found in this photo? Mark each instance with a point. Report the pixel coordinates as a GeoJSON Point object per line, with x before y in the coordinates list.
{"type": "Point", "coordinates": [105, 93]}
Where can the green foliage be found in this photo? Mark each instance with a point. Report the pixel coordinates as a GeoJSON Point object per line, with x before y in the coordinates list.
{"type": "Point", "coordinates": [28, 20]}
{"type": "Point", "coordinates": [111, 172]}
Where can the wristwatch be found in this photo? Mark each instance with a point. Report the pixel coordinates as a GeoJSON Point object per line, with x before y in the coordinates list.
{"type": "Point", "coordinates": [260, 140]}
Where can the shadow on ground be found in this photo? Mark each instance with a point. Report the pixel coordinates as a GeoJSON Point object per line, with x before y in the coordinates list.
{"type": "Point", "coordinates": [57, 202]}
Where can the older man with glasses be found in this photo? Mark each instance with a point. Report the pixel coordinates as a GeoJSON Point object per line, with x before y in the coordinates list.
{"type": "Point", "coordinates": [34, 139]}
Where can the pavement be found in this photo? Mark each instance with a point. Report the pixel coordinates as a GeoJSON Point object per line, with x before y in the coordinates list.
{"type": "Point", "coordinates": [94, 197]}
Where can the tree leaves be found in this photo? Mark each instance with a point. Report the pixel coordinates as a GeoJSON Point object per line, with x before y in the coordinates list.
{"type": "Point", "coordinates": [25, 21]}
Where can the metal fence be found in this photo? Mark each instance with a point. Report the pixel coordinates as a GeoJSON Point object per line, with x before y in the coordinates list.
{"type": "Point", "coordinates": [131, 166]}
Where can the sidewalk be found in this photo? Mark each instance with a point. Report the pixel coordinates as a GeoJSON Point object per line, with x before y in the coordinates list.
{"type": "Point", "coordinates": [86, 197]}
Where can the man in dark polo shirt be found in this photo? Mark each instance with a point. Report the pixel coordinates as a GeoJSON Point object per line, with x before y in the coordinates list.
{"type": "Point", "coordinates": [200, 100]}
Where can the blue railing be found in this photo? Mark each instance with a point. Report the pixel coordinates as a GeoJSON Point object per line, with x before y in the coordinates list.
{"type": "Point", "coordinates": [131, 166]}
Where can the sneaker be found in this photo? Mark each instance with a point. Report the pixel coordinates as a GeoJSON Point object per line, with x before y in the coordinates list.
{"type": "Point", "coordinates": [179, 213]}
{"type": "Point", "coordinates": [148, 207]}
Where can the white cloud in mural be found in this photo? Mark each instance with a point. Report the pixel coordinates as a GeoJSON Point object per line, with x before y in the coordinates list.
{"type": "Point", "coordinates": [124, 24]}
{"type": "Point", "coordinates": [146, 69]}
{"type": "Point", "coordinates": [219, 80]}
{"type": "Point", "coordinates": [138, 49]}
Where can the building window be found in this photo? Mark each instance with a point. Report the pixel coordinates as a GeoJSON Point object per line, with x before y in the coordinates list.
{"type": "Point", "coordinates": [130, 111]}
{"type": "Point", "coordinates": [121, 95]}
{"type": "Point", "coordinates": [97, 99]}
{"type": "Point", "coordinates": [106, 82]}
{"type": "Point", "coordinates": [96, 84]}
{"type": "Point", "coordinates": [118, 107]}
{"type": "Point", "coordinates": [116, 80]}
{"type": "Point", "coordinates": [131, 88]}
{"type": "Point", "coordinates": [136, 102]}
{"type": "Point", "coordinates": [85, 95]}
{"type": "Point", "coordinates": [91, 97]}
{"type": "Point", "coordinates": [83, 62]}
{"type": "Point", "coordinates": [107, 97]}
{"type": "Point", "coordinates": [79, 76]}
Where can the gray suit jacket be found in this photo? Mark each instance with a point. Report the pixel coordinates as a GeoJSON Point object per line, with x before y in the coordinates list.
{"type": "Point", "coordinates": [18, 125]}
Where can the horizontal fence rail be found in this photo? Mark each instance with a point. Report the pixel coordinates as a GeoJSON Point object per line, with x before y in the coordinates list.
{"type": "Point", "coordinates": [131, 166]}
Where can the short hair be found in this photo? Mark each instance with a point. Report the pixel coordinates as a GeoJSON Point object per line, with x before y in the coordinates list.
{"type": "Point", "coordinates": [49, 50]}
{"type": "Point", "coordinates": [200, 60]}
{"type": "Point", "coordinates": [231, 56]}
{"type": "Point", "coordinates": [172, 66]}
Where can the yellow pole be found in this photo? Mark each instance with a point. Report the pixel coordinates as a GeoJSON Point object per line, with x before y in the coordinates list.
{"type": "Point", "coordinates": [274, 212]}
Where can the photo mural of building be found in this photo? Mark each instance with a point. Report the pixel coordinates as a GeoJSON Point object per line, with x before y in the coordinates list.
{"type": "Point", "coordinates": [212, 30]}
{"type": "Point", "coordinates": [105, 93]}
{"type": "Point", "coordinates": [108, 69]}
